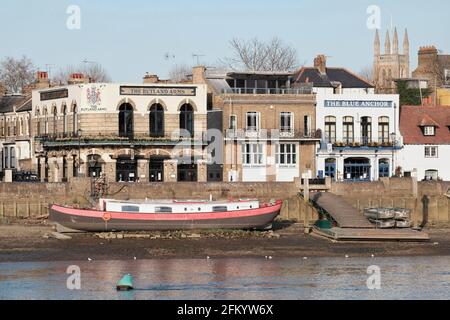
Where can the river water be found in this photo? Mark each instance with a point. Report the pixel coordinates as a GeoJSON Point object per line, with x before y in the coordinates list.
{"type": "Point", "coordinates": [232, 279]}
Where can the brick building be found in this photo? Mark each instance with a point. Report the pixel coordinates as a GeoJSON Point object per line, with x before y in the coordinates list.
{"type": "Point", "coordinates": [150, 132]}
{"type": "Point", "coordinates": [435, 68]}
{"type": "Point", "coordinates": [268, 127]}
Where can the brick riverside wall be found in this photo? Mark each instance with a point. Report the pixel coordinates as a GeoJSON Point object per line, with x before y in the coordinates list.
{"type": "Point", "coordinates": [397, 192]}
{"type": "Point", "coordinates": [27, 200]}
{"type": "Point", "coordinates": [23, 199]}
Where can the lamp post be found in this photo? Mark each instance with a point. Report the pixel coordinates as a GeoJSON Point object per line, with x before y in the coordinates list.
{"type": "Point", "coordinates": [79, 132]}
{"type": "Point", "coordinates": [394, 143]}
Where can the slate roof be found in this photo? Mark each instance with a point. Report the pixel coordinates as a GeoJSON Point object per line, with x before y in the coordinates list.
{"type": "Point", "coordinates": [345, 77]}
{"type": "Point", "coordinates": [21, 103]}
{"type": "Point", "coordinates": [412, 118]}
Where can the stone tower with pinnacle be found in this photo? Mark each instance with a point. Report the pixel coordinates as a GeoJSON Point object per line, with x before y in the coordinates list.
{"type": "Point", "coordinates": [391, 64]}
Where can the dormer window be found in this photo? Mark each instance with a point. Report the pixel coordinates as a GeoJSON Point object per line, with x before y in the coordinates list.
{"type": "Point", "coordinates": [429, 131]}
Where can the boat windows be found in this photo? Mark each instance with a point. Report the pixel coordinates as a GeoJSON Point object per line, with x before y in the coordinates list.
{"type": "Point", "coordinates": [130, 209]}
{"type": "Point", "coordinates": [220, 209]}
{"type": "Point", "coordinates": [163, 210]}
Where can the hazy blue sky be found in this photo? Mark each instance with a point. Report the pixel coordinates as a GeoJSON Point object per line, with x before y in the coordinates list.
{"type": "Point", "coordinates": [131, 37]}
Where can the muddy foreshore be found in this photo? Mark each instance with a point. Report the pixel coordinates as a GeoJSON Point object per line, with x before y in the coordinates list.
{"type": "Point", "coordinates": [29, 241]}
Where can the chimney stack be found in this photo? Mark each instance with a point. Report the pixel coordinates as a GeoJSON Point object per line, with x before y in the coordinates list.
{"type": "Point", "coordinates": [76, 78]}
{"type": "Point", "coordinates": [199, 75]}
{"type": "Point", "coordinates": [42, 81]}
{"type": "Point", "coordinates": [151, 78]}
{"type": "Point", "coordinates": [320, 62]}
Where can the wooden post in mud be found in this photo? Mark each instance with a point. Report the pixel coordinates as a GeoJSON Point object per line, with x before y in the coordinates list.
{"type": "Point", "coordinates": [2, 210]}
{"type": "Point", "coordinates": [28, 209]}
{"type": "Point", "coordinates": [15, 209]}
{"type": "Point", "coordinates": [40, 209]}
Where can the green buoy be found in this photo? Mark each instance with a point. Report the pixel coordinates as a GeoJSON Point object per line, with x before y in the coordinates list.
{"type": "Point", "coordinates": [126, 283]}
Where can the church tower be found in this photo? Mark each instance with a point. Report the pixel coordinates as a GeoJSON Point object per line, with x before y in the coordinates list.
{"type": "Point", "coordinates": [392, 64]}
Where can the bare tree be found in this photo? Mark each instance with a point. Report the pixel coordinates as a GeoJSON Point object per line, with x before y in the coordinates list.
{"type": "Point", "coordinates": [256, 55]}
{"type": "Point", "coordinates": [367, 74]}
{"type": "Point", "coordinates": [94, 72]}
{"type": "Point", "coordinates": [16, 74]}
{"type": "Point", "coordinates": [179, 72]}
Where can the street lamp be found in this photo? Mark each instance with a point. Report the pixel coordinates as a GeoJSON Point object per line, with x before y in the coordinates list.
{"type": "Point", "coordinates": [394, 144]}
{"type": "Point", "coordinates": [79, 132]}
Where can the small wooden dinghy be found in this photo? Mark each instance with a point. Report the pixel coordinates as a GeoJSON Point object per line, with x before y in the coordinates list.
{"type": "Point", "coordinates": [383, 224]}
{"type": "Point", "coordinates": [379, 214]}
{"type": "Point", "coordinates": [162, 215]}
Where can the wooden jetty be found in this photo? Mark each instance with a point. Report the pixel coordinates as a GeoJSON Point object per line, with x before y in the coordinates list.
{"type": "Point", "coordinates": [341, 211]}
{"type": "Point", "coordinates": [348, 234]}
{"type": "Point", "coordinates": [351, 225]}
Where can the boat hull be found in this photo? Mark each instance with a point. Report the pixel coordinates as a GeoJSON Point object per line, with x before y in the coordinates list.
{"type": "Point", "coordinates": [101, 221]}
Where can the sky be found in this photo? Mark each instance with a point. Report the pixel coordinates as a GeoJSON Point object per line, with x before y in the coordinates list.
{"type": "Point", "coordinates": [132, 37]}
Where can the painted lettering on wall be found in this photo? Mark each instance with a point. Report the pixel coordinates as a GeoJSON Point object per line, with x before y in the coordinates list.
{"type": "Point", "coordinates": [158, 91]}
{"type": "Point", "coordinates": [357, 104]}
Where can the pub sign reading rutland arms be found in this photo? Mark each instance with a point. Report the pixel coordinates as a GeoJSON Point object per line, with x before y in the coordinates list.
{"type": "Point", "coordinates": [357, 104]}
{"type": "Point", "coordinates": [158, 91]}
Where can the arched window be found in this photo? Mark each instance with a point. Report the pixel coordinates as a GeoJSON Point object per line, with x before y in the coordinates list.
{"type": "Point", "coordinates": [384, 168]}
{"type": "Point", "coordinates": [21, 128]}
{"type": "Point", "coordinates": [55, 118]}
{"type": "Point", "coordinates": [126, 120]}
{"type": "Point", "coordinates": [38, 123]}
{"type": "Point", "coordinates": [383, 130]}
{"type": "Point", "coordinates": [64, 112]}
{"type": "Point", "coordinates": [75, 120]}
{"type": "Point", "coordinates": [349, 130]}
{"type": "Point", "coordinates": [330, 129]}
{"type": "Point", "coordinates": [187, 119]}
{"type": "Point", "coordinates": [45, 122]}
{"type": "Point", "coordinates": [366, 130]}
{"type": "Point", "coordinates": [156, 119]}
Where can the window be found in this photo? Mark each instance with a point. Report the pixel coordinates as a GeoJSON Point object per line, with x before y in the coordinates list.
{"type": "Point", "coordinates": [75, 120]}
{"type": "Point", "coordinates": [45, 122]}
{"type": "Point", "coordinates": [383, 130]}
{"type": "Point", "coordinates": [253, 121]}
{"type": "Point", "coordinates": [131, 209]}
{"type": "Point", "coordinates": [187, 119]}
{"type": "Point", "coordinates": [384, 168]}
{"type": "Point", "coordinates": [156, 120]}
{"type": "Point", "coordinates": [233, 122]}
{"type": "Point", "coordinates": [12, 158]}
{"type": "Point", "coordinates": [431, 175]}
{"type": "Point", "coordinates": [126, 120]}
{"type": "Point", "coordinates": [163, 210]}
{"type": "Point", "coordinates": [253, 154]}
{"type": "Point", "coordinates": [55, 118]}
{"type": "Point", "coordinates": [429, 131]}
{"type": "Point", "coordinates": [447, 76]}
{"type": "Point", "coordinates": [286, 122]}
{"type": "Point", "coordinates": [64, 119]}
{"type": "Point", "coordinates": [286, 154]}
{"type": "Point", "coordinates": [366, 130]}
{"type": "Point", "coordinates": [349, 130]}
{"type": "Point", "coordinates": [307, 126]}
{"type": "Point", "coordinates": [220, 209]}
{"type": "Point", "coordinates": [431, 152]}
{"type": "Point", "coordinates": [6, 156]}
{"type": "Point", "coordinates": [330, 129]}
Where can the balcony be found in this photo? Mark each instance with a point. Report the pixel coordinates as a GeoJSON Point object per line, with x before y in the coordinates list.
{"type": "Point", "coordinates": [271, 134]}
{"type": "Point", "coordinates": [269, 91]}
{"type": "Point", "coordinates": [362, 142]}
{"type": "Point", "coordinates": [74, 140]}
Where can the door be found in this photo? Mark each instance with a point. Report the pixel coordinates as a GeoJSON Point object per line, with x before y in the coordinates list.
{"type": "Point", "coordinates": [156, 170]}
{"type": "Point", "coordinates": [330, 168]}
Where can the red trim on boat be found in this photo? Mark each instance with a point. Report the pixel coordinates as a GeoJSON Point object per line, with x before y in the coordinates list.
{"type": "Point", "coordinates": [170, 216]}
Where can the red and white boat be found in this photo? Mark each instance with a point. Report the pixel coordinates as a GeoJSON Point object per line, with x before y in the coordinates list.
{"type": "Point", "coordinates": [115, 215]}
